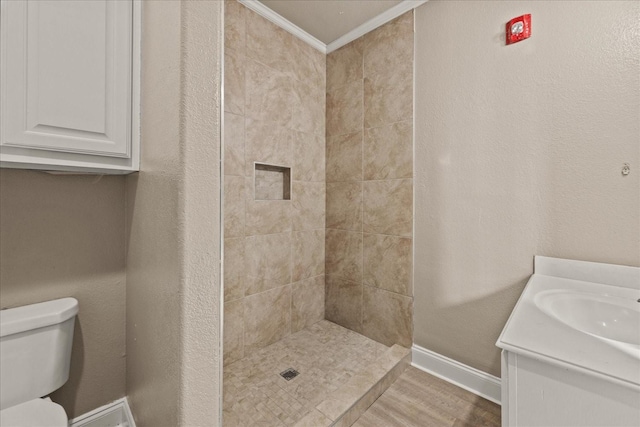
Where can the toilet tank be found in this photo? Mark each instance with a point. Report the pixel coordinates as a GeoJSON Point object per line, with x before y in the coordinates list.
{"type": "Point", "coordinates": [35, 349]}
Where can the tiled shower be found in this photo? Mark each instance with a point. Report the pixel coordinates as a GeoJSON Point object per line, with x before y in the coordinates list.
{"type": "Point", "coordinates": [369, 164]}
{"type": "Point", "coordinates": [318, 191]}
{"type": "Point", "coordinates": [274, 249]}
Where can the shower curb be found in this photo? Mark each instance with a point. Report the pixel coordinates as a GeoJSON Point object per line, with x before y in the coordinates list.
{"type": "Point", "coordinates": [344, 406]}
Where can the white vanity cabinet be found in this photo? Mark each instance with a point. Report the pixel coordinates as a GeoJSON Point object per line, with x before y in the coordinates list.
{"type": "Point", "coordinates": [69, 85]}
{"type": "Point", "coordinates": [538, 393]}
{"type": "Point", "coordinates": [571, 347]}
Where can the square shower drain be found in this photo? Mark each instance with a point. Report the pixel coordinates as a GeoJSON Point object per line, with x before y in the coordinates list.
{"type": "Point", "coordinates": [289, 374]}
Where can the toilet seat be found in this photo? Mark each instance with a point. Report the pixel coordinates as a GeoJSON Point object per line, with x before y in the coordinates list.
{"type": "Point", "coordinates": [34, 413]}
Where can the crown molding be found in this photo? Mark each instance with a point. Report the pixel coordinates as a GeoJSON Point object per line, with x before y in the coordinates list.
{"type": "Point", "coordinates": [285, 24]}
{"type": "Point", "coordinates": [370, 25]}
{"type": "Point", "coordinates": [374, 23]}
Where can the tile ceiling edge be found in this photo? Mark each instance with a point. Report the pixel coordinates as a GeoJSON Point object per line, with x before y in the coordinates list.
{"type": "Point", "coordinates": [374, 23]}
{"type": "Point", "coordinates": [370, 25]}
{"type": "Point", "coordinates": [284, 23]}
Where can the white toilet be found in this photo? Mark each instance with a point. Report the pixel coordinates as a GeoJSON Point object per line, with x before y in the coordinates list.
{"type": "Point", "coordinates": [35, 354]}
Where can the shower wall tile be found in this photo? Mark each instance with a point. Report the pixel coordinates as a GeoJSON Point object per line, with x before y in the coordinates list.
{"type": "Point", "coordinates": [308, 157]}
{"type": "Point", "coordinates": [234, 206]}
{"type": "Point", "coordinates": [309, 65]}
{"type": "Point", "coordinates": [269, 44]}
{"type": "Point", "coordinates": [388, 207]}
{"type": "Point", "coordinates": [343, 302]}
{"type": "Point", "coordinates": [345, 65]}
{"type": "Point", "coordinates": [234, 268]}
{"type": "Point", "coordinates": [388, 50]}
{"type": "Point", "coordinates": [265, 216]}
{"type": "Point", "coordinates": [388, 263]}
{"type": "Point", "coordinates": [386, 317]}
{"type": "Point", "coordinates": [233, 144]}
{"type": "Point", "coordinates": [344, 205]}
{"type": "Point", "coordinates": [234, 81]}
{"type": "Point", "coordinates": [344, 109]}
{"type": "Point", "coordinates": [343, 253]}
{"type": "Point", "coordinates": [268, 262]}
{"type": "Point", "coordinates": [268, 94]}
{"type": "Point", "coordinates": [275, 99]}
{"type": "Point", "coordinates": [308, 205]}
{"type": "Point", "coordinates": [308, 113]}
{"type": "Point", "coordinates": [308, 254]}
{"type": "Point", "coordinates": [234, 26]}
{"type": "Point", "coordinates": [233, 331]}
{"type": "Point", "coordinates": [388, 151]}
{"type": "Point", "coordinates": [369, 171]}
{"type": "Point", "coordinates": [267, 142]}
{"type": "Point", "coordinates": [344, 157]}
{"type": "Point", "coordinates": [307, 303]}
{"type": "Point", "coordinates": [267, 318]}
{"type": "Point", "coordinates": [387, 100]}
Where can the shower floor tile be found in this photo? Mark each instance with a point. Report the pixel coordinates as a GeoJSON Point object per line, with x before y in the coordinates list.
{"type": "Point", "coordinates": [325, 355]}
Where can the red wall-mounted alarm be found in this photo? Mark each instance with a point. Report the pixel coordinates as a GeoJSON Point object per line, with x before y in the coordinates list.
{"type": "Point", "coordinates": [519, 28]}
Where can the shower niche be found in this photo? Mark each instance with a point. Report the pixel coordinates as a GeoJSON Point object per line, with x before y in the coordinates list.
{"type": "Point", "coordinates": [271, 182]}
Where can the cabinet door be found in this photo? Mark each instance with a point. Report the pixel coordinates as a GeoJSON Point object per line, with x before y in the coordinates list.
{"type": "Point", "coordinates": [66, 76]}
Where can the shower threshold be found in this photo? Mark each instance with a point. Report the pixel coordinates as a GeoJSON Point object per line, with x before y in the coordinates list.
{"type": "Point", "coordinates": [340, 373]}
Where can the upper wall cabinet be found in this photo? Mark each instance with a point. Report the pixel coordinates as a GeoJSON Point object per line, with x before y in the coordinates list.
{"type": "Point", "coordinates": [69, 81]}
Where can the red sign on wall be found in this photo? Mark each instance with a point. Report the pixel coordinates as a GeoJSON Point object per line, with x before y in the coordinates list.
{"type": "Point", "coordinates": [519, 29]}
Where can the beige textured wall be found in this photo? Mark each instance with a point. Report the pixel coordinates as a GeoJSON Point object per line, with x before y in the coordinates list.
{"type": "Point", "coordinates": [173, 235]}
{"type": "Point", "coordinates": [518, 153]}
{"type": "Point", "coordinates": [153, 235]}
{"type": "Point", "coordinates": [274, 249]}
{"type": "Point", "coordinates": [63, 236]}
{"type": "Point", "coordinates": [201, 366]}
{"type": "Point", "coordinates": [369, 171]}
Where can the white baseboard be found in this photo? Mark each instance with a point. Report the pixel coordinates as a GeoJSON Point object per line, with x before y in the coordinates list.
{"type": "Point", "coordinates": [113, 414]}
{"type": "Point", "coordinates": [459, 374]}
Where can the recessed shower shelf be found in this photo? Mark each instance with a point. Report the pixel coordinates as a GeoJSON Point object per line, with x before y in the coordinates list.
{"type": "Point", "coordinates": [271, 182]}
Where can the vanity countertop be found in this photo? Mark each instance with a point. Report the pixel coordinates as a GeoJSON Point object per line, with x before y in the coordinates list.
{"type": "Point", "coordinates": [534, 331]}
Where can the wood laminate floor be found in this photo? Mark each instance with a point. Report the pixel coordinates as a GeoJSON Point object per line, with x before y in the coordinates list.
{"type": "Point", "coordinates": [418, 399]}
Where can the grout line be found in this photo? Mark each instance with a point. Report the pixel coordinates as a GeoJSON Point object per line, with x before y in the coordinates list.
{"type": "Point", "coordinates": [362, 189]}
{"type": "Point", "coordinates": [386, 290]}
{"type": "Point", "coordinates": [292, 211]}
{"type": "Point", "coordinates": [265, 291]}
{"type": "Point", "coordinates": [306, 279]}
{"type": "Point", "coordinates": [371, 180]}
{"type": "Point", "coordinates": [399, 236]}
{"type": "Point", "coordinates": [273, 234]}
{"type": "Point", "coordinates": [291, 243]}
{"type": "Point", "coordinates": [389, 124]}
{"type": "Point", "coordinates": [345, 84]}
{"type": "Point", "coordinates": [365, 233]}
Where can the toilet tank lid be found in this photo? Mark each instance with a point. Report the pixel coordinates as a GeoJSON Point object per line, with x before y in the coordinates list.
{"type": "Point", "coordinates": [33, 316]}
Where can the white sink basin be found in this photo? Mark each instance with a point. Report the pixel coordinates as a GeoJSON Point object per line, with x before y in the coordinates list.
{"type": "Point", "coordinates": [580, 315]}
{"type": "Point", "coordinates": [611, 318]}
